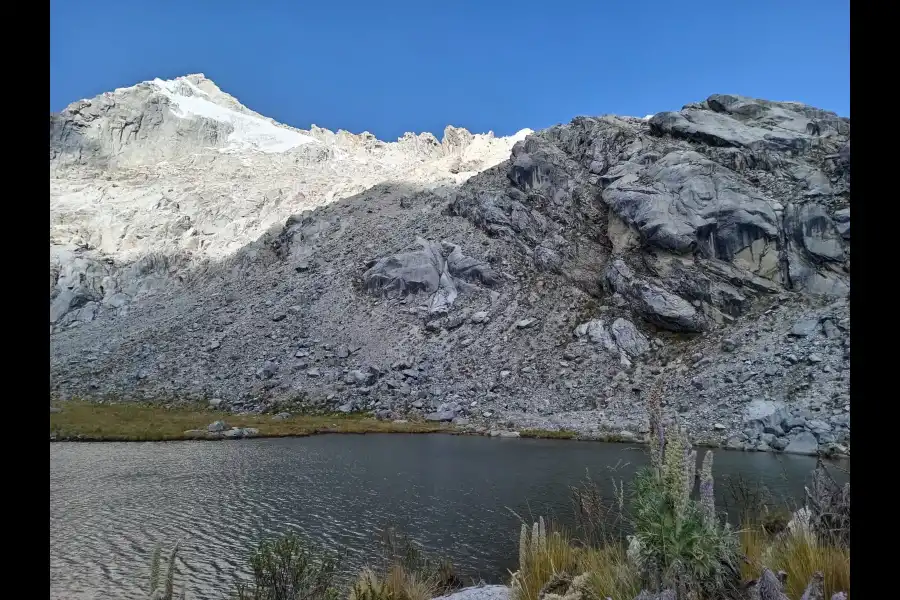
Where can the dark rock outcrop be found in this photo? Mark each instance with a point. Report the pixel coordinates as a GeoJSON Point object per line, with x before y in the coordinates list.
{"type": "Point", "coordinates": [717, 204]}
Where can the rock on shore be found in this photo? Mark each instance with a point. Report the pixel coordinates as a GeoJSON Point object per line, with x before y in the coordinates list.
{"type": "Point", "coordinates": [484, 592]}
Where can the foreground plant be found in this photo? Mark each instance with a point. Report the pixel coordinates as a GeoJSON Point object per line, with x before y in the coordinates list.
{"type": "Point", "coordinates": [798, 554]}
{"type": "Point", "coordinates": [828, 504]}
{"type": "Point", "coordinates": [552, 567]}
{"type": "Point", "coordinates": [542, 556]}
{"type": "Point", "coordinates": [289, 568]}
{"type": "Point", "coordinates": [680, 543]}
{"type": "Point", "coordinates": [162, 586]}
{"type": "Point", "coordinates": [405, 573]}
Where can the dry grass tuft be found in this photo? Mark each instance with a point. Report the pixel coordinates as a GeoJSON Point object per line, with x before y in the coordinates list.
{"type": "Point", "coordinates": [797, 554]}
{"type": "Point", "coordinates": [546, 556]}
{"type": "Point", "coordinates": [610, 574]}
{"type": "Point", "coordinates": [541, 556]}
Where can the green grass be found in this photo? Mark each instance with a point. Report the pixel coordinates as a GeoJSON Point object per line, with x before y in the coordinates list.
{"type": "Point", "coordinates": [567, 434]}
{"type": "Point", "coordinates": [550, 434]}
{"type": "Point", "coordinates": [148, 422]}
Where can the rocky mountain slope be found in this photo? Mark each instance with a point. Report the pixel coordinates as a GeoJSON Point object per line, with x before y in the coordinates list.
{"type": "Point", "coordinates": [547, 280]}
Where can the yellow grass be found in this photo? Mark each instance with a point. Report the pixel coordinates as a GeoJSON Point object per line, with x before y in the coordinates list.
{"type": "Point", "coordinates": [397, 583]}
{"type": "Point", "coordinates": [146, 422]}
{"type": "Point", "coordinates": [409, 586]}
{"type": "Point", "coordinates": [799, 556]}
{"type": "Point", "coordinates": [558, 555]}
{"type": "Point", "coordinates": [609, 573]}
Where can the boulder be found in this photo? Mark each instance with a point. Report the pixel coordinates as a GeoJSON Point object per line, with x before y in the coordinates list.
{"type": "Point", "coordinates": [805, 327]}
{"type": "Point", "coordinates": [842, 222]}
{"type": "Point", "coordinates": [364, 376]}
{"type": "Point", "coordinates": [483, 592]}
{"type": "Point", "coordinates": [596, 332]}
{"type": "Point", "coordinates": [441, 416]}
{"type": "Point", "coordinates": [621, 336]}
{"type": "Point", "coordinates": [766, 413]}
{"type": "Point", "coordinates": [653, 302]}
{"type": "Point", "coordinates": [435, 269]}
{"type": "Point", "coordinates": [779, 443]}
{"type": "Point", "coordinates": [479, 317]}
{"type": "Point", "coordinates": [628, 338]}
{"type": "Point", "coordinates": [803, 442]}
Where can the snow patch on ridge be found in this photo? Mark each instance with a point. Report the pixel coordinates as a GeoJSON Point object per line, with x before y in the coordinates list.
{"type": "Point", "coordinates": [250, 133]}
{"type": "Point", "coordinates": [520, 135]}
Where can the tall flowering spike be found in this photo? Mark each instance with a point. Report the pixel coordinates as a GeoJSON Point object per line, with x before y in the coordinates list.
{"type": "Point", "coordinates": [535, 538]}
{"type": "Point", "coordinates": [523, 546]}
{"type": "Point", "coordinates": [515, 586]}
{"type": "Point", "coordinates": [661, 437]}
{"type": "Point", "coordinates": [655, 446]}
{"type": "Point", "coordinates": [154, 568]}
{"type": "Point", "coordinates": [542, 532]}
{"type": "Point", "coordinates": [690, 472]}
{"type": "Point", "coordinates": [657, 430]}
{"type": "Point", "coordinates": [673, 470]}
{"type": "Point", "coordinates": [707, 495]}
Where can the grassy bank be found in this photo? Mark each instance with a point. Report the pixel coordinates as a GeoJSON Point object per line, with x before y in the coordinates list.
{"type": "Point", "coordinates": [548, 434]}
{"type": "Point", "coordinates": [89, 421]}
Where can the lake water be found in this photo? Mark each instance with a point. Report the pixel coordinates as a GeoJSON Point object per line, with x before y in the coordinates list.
{"type": "Point", "coordinates": [110, 503]}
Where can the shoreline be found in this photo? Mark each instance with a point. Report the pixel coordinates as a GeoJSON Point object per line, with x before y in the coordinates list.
{"type": "Point", "coordinates": [88, 422]}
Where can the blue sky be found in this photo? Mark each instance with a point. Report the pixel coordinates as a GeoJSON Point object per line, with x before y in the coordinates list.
{"type": "Point", "coordinates": [391, 66]}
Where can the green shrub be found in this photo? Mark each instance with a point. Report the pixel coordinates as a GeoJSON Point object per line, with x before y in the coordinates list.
{"type": "Point", "coordinates": [288, 568]}
{"type": "Point", "coordinates": [679, 542]}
